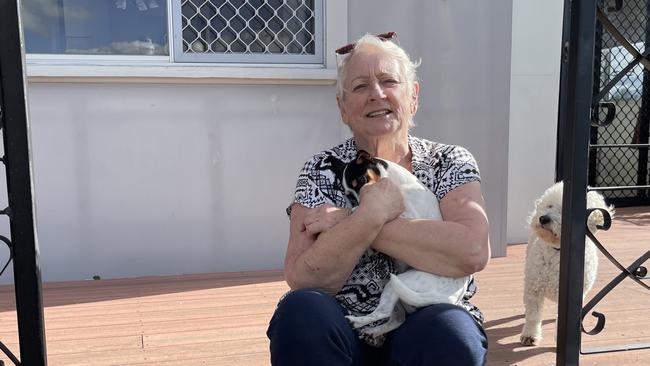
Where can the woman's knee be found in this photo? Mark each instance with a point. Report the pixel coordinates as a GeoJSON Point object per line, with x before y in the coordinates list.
{"type": "Point", "coordinates": [309, 328]}
{"type": "Point", "coordinates": [305, 313]}
{"type": "Point", "coordinates": [440, 334]}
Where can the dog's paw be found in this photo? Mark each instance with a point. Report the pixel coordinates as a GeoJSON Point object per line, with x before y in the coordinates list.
{"type": "Point", "coordinates": [528, 340]}
{"type": "Point", "coordinates": [358, 321]}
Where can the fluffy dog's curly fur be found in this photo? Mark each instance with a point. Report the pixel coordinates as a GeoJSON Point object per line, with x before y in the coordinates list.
{"type": "Point", "coordinates": [542, 273]}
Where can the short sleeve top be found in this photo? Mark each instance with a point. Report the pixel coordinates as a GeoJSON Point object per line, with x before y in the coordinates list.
{"type": "Point", "coordinates": [440, 167]}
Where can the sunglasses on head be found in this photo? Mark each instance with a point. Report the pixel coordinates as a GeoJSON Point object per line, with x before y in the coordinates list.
{"type": "Point", "coordinates": [349, 47]}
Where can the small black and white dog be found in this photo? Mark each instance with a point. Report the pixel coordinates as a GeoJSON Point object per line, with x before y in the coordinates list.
{"type": "Point", "coordinates": [413, 288]}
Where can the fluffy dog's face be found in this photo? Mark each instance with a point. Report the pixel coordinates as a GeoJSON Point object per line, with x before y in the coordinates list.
{"type": "Point", "coordinates": [546, 219]}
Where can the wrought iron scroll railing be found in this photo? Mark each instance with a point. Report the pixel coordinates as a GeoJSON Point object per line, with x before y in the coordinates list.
{"type": "Point", "coordinates": [582, 104]}
{"type": "Point", "coordinates": [622, 66]}
{"type": "Point", "coordinates": [635, 271]}
{"type": "Point", "coordinates": [23, 248]}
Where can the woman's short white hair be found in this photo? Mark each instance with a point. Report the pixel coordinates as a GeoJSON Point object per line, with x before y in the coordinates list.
{"type": "Point", "coordinates": [406, 66]}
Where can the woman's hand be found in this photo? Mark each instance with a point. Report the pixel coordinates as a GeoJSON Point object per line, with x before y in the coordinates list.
{"type": "Point", "coordinates": [325, 261]}
{"type": "Point", "coordinates": [323, 218]}
{"type": "Point", "coordinates": [457, 246]}
{"type": "Point", "coordinates": [383, 199]}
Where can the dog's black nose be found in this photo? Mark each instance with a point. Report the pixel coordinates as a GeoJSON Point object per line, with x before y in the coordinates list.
{"type": "Point", "coordinates": [544, 220]}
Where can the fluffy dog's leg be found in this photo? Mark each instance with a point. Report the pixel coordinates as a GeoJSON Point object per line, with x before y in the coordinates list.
{"type": "Point", "coordinates": [531, 335]}
{"type": "Point", "coordinates": [387, 303]}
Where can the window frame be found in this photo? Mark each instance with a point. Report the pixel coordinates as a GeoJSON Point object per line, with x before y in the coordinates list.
{"type": "Point", "coordinates": [61, 68]}
{"type": "Point", "coordinates": [180, 57]}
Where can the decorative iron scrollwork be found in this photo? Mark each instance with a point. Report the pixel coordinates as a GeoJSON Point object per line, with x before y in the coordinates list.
{"type": "Point", "coordinates": [636, 271]}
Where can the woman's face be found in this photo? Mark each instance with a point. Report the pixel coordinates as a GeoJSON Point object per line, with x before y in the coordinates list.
{"type": "Point", "coordinates": [377, 99]}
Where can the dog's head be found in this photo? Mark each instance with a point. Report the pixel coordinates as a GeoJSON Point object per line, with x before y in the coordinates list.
{"type": "Point", "coordinates": [546, 219]}
{"type": "Point", "coordinates": [359, 172]}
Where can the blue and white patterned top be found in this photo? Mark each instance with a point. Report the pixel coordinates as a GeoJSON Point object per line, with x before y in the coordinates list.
{"type": "Point", "coordinates": [440, 167]}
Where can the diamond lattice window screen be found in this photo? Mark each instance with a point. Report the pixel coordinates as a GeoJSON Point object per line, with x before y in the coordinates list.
{"type": "Point", "coordinates": [255, 31]}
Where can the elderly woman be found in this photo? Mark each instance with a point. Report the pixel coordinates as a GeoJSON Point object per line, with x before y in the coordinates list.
{"type": "Point", "coordinates": [338, 260]}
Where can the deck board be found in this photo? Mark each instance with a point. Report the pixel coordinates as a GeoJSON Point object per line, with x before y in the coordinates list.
{"type": "Point", "coordinates": [221, 318]}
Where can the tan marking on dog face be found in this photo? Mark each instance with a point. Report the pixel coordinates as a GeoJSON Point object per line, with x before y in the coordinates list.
{"type": "Point", "coordinates": [372, 176]}
{"type": "Point", "coordinates": [354, 184]}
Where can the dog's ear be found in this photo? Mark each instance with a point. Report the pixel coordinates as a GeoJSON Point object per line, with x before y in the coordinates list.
{"type": "Point", "coordinates": [363, 157]}
{"type": "Point", "coordinates": [380, 162]}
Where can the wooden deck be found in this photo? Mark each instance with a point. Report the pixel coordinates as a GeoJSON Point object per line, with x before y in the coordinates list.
{"type": "Point", "coordinates": [221, 318]}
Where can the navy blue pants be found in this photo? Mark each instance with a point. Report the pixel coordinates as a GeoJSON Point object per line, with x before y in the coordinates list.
{"type": "Point", "coordinates": [309, 328]}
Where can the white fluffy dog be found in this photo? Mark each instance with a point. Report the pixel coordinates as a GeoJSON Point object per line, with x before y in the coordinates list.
{"type": "Point", "coordinates": [542, 273]}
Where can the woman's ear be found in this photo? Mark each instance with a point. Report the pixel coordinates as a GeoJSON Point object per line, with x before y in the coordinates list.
{"type": "Point", "coordinates": [344, 116]}
{"type": "Point", "coordinates": [414, 97]}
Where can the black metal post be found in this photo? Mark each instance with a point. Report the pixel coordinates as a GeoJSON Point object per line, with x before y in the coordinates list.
{"type": "Point", "coordinates": [575, 121]}
{"type": "Point", "coordinates": [643, 122]}
{"type": "Point", "coordinates": [27, 274]}
{"type": "Point", "coordinates": [593, 131]}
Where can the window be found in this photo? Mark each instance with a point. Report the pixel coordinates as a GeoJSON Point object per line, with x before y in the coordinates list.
{"type": "Point", "coordinates": [262, 31]}
{"type": "Point", "coordinates": [233, 31]}
{"type": "Point", "coordinates": [98, 27]}
{"type": "Point", "coordinates": [267, 41]}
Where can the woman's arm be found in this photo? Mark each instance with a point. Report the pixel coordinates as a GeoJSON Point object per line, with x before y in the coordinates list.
{"type": "Point", "coordinates": [455, 247]}
{"type": "Point", "coordinates": [325, 260]}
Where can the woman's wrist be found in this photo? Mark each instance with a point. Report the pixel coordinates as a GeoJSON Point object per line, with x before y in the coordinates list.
{"type": "Point", "coordinates": [369, 216]}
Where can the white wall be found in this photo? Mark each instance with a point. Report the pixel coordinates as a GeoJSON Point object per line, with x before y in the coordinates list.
{"type": "Point", "coordinates": [160, 179]}
{"type": "Point", "coordinates": [534, 90]}
{"type": "Point", "coordinates": [144, 179]}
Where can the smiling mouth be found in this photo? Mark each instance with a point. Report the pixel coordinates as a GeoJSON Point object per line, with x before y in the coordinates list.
{"type": "Point", "coordinates": [380, 113]}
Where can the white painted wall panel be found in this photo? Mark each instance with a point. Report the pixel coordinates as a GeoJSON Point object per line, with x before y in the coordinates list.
{"type": "Point", "coordinates": [536, 44]}
{"type": "Point", "coordinates": [141, 180]}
